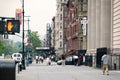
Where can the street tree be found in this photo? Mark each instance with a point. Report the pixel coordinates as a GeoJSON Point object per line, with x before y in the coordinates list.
{"type": "Point", "coordinates": [2, 47]}
{"type": "Point", "coordinates": [7, 49]}
{"type": "Point", "coordinates": [34, 40]}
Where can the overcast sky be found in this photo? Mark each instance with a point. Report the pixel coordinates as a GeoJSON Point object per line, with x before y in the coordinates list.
{"type": "Point", "coordinates": [41, 12]}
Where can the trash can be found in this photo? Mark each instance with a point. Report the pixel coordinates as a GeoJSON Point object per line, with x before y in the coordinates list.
{"type": "Point", "coordinates": [7, 70]}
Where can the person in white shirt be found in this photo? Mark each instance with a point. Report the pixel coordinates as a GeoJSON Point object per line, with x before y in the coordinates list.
{"type": "Point", "coordinates": [36, 58]}
{"type": "Point", "coordinates": [105, 62]}
{"type": "Point", "coordinates": [48, 61]}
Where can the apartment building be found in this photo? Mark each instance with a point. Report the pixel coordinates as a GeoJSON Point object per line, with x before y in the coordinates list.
{"type": "Point", "coordinates": [53, 33]}
{"type": "Point", "coordinates": [65, 24]}
{"type": "Point", "coordinates": [68, 34]}
{"type": "Point", "coordinates": [75, 38]}
{"type": "Point", "coordinates": [48, 35]}
{"type": "Point", "coordinates": [59, 27]}
{"type": "Point", "coordinates": [72, 28]}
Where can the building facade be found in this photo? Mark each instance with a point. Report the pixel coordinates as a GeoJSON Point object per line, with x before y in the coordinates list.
{"type": "Point", "coordinates": [99, 25]}
{"type": "Point", "coordinates": [59, 27]}
{"type": "Point", "coordinates": [70, 34]}
{"type": "Point", "coordinates": [48, 35]}
{"type": "Point", "coordinates": [53, 33]}
{"type": "Point", "coordinates": [75, 38]}
{"type": "Point", "coordinates": [115, 37]}
{"type": "Point", "coordinates": [72, 28]}
{"type": "Point", "coordinates": [116, 26]}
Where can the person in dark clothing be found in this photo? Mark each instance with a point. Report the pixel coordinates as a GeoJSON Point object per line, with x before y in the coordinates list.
{"type": "Point", "coordinates": [63, 59]}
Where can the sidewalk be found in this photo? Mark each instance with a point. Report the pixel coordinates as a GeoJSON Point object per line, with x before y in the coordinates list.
{"type": "Point", "coordinates": [31, 72]}
{"type": "Point", "coordinates": [68, 72]}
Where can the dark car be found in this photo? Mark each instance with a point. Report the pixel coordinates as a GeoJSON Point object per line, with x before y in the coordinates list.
{"type": "Point", "coordinates": [69, 61]}
{"type": "Point", "coordinates": [30, 60]}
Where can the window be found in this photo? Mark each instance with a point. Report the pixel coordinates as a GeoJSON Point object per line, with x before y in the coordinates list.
{"type": "Point", "coordinates": [60, 44]}
{"type": "Point", "coordinates": [60, 26]}
{"type": "Point", "coordinates": [73, 15]}
{"type": "Point", "coordinates": [61, 9]}
{"type": "Point", "coordinates": [60, 36]}
{"type": "Point", "coordinates": [73, 3]}
{"type": "Point", "coordinates": [65, 24]}
{"type": "Point", "coordinates": [74, 29]}
{"type": "Point", "coordinates": [61, 17]}
{"type": "Point", "coordinates": [65, 13]}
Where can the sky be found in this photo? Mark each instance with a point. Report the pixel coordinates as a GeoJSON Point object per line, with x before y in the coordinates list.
{"type": "Point", "coordinates": [41, 12]}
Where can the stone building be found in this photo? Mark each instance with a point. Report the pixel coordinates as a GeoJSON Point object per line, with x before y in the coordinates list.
{"type": "Point", "coordinates": [115, 32]}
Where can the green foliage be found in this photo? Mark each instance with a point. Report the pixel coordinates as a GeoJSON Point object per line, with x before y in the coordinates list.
{"type": "Point", "coordinates": [7, 49]}
{"type": "Point", "coordinates": [18, 46]}
{"type": "Point", "coordinates": [34, 39]}
{"type": "Point", "coordinates": [2, 47]}
{"type": "Point", "coordinates": [10, 49]}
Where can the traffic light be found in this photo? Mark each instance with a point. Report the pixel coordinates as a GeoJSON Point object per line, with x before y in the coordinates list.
{"type": "Point", "coordinates": [2, 27]}
{"type": "Point", "coordinates": [13, 26]}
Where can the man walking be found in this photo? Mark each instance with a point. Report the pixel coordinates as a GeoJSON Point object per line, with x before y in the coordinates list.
{"type": "Point", "coordinates": [105, 61]}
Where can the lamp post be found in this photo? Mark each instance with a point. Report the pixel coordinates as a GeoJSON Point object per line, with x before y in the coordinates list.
{"type": "Point", "coordinates": [23, 52]}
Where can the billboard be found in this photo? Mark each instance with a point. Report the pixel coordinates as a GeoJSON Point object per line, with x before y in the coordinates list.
{"type": "Point", "coordinates": [18, 14]}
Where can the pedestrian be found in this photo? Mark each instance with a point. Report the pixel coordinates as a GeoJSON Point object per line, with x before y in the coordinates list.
{"type": "Point", "coordinates": [105, 63]}
{"type": "Point", "coordinates": [36, 58]}
{"type": "Point", "coordinates": [63, 59]}
{"type": "Point", "coordinates": [48, 60]}
{"type": "Point", "coordinates": [80, 60]}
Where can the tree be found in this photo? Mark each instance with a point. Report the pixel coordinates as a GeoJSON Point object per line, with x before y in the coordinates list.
{"type": "Point", "coordinates": [7, 48]}
{"type": "Point", "coordinates": [34, 40]}
{"type": "Point", "coordinates": [2, 47]}
{"type": "Point", "coordinates": [10, 49]}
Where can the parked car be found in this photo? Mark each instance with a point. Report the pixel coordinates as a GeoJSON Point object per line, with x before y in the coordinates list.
{"type": "Point", "coordinates": [30, 60]}
{"type": "Point", "coordinates": [59, 62]}
{"type": "Point", "coordinates": [68, 61]}
{"type": "Point", "coordinates": [17, 57]}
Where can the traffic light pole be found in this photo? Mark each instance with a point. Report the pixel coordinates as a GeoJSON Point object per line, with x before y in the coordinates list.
{"type": "Point", "coordinates": [23, 52]}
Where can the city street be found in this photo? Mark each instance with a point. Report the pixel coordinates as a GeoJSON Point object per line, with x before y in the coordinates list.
{"type": "Point", "coordinates": [68, 72]}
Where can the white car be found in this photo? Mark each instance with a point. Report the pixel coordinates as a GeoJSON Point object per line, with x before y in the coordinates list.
{"type": "Point", "coordinates": [17, 57]}
{"type": "Point", "coordinates": [59, 62]}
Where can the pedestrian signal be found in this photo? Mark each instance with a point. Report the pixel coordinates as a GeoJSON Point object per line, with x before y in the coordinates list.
{"type": "Point", "coordinates": [13, 26]}
{"type": "Point", "coordinates": [2, 27]}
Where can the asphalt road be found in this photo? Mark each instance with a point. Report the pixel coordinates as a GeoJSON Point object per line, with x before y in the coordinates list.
{"type": "Point", "coordinates": [56, 72]}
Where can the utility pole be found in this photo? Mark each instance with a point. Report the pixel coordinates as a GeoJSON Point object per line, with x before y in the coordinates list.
{"type": "Point", "coordinates": [23, 52]}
